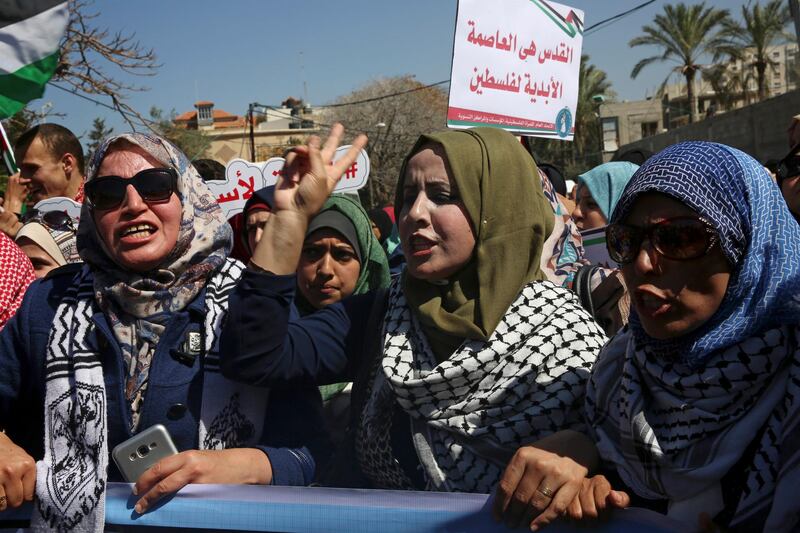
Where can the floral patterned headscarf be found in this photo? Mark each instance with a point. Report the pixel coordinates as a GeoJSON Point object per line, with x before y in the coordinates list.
{"type": "Point", "coordinates": [138, 304]}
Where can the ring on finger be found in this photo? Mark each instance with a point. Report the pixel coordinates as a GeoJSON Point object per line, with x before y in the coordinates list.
{"type": "Point", "coordinates": [3, 502]}
{"type": "Point", "coordinates": [545, 491]}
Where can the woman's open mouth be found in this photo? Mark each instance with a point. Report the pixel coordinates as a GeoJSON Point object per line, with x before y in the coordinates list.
{"type": "Point", "coordinates": [137, 233]}
{"type": "Point", "coordinates": [421, 246]}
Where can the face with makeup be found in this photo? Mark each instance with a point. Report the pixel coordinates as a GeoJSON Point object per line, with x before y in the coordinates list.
{"type": "Point", "coordinates": [138, 235]}
{"type": "Point", "coordinates": [435, 230]}
{"type": "Point", "coordinates": [671, 297]}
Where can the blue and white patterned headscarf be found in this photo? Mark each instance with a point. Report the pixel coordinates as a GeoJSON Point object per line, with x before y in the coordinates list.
{"type": "Point", "coordinates": [674, 418]}
{"type": "Point", "coordinates": [758, 235]}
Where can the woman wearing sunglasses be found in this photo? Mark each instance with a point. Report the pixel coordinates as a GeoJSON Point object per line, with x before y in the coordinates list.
{"type": "Point", "coordinates": [695, 406]}
{"type": "Point", "coordinates": [103, 351]}
{"type": "Point", "coordinates": [471, 356]}
{"type": "Point", "coordinates": [49, 239]}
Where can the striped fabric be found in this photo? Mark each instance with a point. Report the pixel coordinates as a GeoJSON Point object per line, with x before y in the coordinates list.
{"type": "Point", "coordinates": [30, 32]}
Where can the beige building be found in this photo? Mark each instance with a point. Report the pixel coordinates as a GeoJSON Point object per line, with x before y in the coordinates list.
{"type": "Point", "coordinates": [273, 131]}
{"type": "Point", "coordinates": [627, 122]}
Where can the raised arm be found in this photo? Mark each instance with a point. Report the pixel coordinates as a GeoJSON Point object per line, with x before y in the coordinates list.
{"type": "Point", "coordinates": [261, 345]}
{"type": "Point", "coordinates": [309, 177]}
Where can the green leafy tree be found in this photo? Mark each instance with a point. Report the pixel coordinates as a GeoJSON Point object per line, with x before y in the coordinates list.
{"type": "Point", "coordinates": [393, 125]}
{"type": "Point", "coordinates": [749, 40]}
{"type": "Point", "coordinates": [685, 34]}
{"type": "Point", "coordinates": [96, 135]}
{"type": "Point", "coordinates": [584, 152]}
{"type": "Point", "coordinates": [592, 82]}
{"type": "Point", "coordinates": [193, 143]}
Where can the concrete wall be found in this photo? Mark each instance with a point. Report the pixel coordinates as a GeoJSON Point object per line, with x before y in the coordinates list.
{"type": "Point", "coordinates": [759, 129]}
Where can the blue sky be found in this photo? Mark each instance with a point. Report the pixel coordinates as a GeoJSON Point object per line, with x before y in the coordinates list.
{"type": "Point", "coordinates": [236, 52]}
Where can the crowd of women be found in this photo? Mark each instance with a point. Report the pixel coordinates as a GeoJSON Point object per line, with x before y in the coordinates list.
{"type": "Point", "coordinates": [459, 342]}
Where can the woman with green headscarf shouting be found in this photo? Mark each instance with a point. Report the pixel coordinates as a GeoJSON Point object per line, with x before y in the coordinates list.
{"type": "Point", "coordinates": [470, 354]}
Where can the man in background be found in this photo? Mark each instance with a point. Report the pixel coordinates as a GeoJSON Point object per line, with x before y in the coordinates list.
{"type": "Point", "coordinates": [51, 164]}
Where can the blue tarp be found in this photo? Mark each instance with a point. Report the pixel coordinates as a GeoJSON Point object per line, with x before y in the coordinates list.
{"type": "Point", "coordinates": [301, 509]}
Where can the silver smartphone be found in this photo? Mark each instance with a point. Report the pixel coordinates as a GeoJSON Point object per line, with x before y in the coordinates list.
{"type": "Point", "coordinates": [143, 450]}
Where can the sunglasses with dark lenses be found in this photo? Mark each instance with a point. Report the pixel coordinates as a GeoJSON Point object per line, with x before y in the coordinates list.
{"type": "Point", "coordinates": [57, 220]}
{"type": "Point", "coordinates": [154, 185]}
{"type": "Point", "coordinates": [678, 238]}
{"type": "Point", "coordinates": [788, 167]}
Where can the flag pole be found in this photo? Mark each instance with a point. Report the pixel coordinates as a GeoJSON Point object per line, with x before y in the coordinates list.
{"type": "Point", "coordinates": [8, 152]}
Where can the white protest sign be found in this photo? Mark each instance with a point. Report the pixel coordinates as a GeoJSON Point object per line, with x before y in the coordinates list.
{"type": "Point", "coordinates": [243, 178]}
{"type": "Point", "coordinates": [515, 66]}
{"type": "Point", "coordinates": [594, 247]}
{"type": "Point", "coordinates": [60, 203]}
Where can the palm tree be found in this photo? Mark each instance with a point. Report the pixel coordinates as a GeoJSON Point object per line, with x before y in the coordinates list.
{"type": "Point", "coordinates": [761, 27]}
{"type": "Point", "coordinates": [686, 34]}
{"type": "Point", "coordinates": [591, 82]}
{"type": "Point", "coordinates": [729, 86]}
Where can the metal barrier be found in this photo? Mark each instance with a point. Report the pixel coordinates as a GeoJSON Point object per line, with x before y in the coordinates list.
{"type": "Point", "coordinates": [301, 509]}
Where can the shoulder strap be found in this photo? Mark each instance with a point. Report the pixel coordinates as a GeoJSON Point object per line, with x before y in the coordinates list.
{"type": "Point", "coordinates": [582, 286]}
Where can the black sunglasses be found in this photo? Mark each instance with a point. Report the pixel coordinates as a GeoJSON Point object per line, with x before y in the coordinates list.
{"type": "Point", "coordinates": [678, 238]}
{"type": "Point", "coordinates": [154, 185]}
{"type": "Point", "coordinates": [57, 220]}
{"type": "Point", "coordinates": [787, 168]}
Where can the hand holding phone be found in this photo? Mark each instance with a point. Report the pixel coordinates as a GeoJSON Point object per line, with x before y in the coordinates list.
{"type": "Point", "coordinates": [137, 454]}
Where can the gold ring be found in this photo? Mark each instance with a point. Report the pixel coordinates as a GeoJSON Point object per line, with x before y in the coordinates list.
{"type": "Point", "coordinates": [544, 491]}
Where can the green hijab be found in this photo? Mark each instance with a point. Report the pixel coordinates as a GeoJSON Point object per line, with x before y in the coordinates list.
{"type": "Point", "coordinates": [499, 185]}
{"type": "Point", "coordinates": [374, 272]}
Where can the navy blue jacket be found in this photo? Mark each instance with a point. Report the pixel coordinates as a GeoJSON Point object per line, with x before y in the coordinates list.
{"type": "Point", "coordinates": [337, 343]}
{"type": "Point", "coordinates": [293, 438]}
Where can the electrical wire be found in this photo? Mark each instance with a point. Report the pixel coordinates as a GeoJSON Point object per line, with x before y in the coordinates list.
{"type": "Point", "coordinates": [599, 25]}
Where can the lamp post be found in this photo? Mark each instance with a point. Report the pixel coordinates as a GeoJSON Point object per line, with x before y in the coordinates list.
{"type": "Point", "coordinates": [599, 99]}
{"type": "Point", "coordinates": [384, 129]}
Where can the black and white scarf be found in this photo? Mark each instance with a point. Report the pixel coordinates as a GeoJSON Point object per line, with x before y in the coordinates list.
{"type": "Point", "coordinates": [672, 431]}
{"type": "Point", "coordinates": [471, 412]}
{"type": "Point", "coordinates": [71, 479]}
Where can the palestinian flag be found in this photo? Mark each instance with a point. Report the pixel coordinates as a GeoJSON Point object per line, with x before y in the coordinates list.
{"type": "Point", "coordinates": [30, 31]}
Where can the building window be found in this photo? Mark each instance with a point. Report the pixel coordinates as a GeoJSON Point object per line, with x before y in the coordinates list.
{"type": "Point", "coordinates": [649, 129]}
{"type": "Point", "coordinates": [776, 54]}
{"type": "Point", "coordinates": [610, 134]}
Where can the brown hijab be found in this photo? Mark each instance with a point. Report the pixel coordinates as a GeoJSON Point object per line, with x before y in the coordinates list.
{"type": "Point", "coordinates": [511, 218]}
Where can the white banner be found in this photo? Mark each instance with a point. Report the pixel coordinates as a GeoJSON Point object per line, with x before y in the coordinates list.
{"type": "Point", "coordinates": [243, 178]}
{"type": "Point", "coordinates": [60, 203]}
{"type": "Point", "coordinates": [515, 66]}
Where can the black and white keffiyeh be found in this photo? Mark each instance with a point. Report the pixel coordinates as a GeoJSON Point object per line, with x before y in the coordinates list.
{"type": "Point", "coordinates": [671, 431]}
{"type": "Point", "coordinates": [71, 479]}
{"type": "Point", "coordinates": [713, 413]}
{"type": "Point", "coordinates": [471, 412]}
